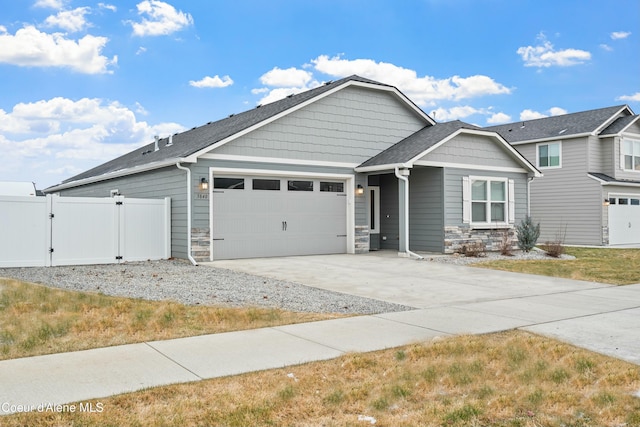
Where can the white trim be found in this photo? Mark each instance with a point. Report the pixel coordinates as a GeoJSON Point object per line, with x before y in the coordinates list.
{"type": "Point", "coordinates": [468, 166]}
{"type": "Point", "coordinates": [552, 138]}
{"type": "Point", "coordinates": [290, 110]}
{"type": "Point", "coordinates": [538, 155]}
{"type": "Point", "coordinates": [379, 168]}
{"type": "Point", "coordinates": [349, 180]}
{"type": "Point", "coordinates": [614, 183]}
{"type": "Point", "coordinates": [277, 160]}
{"type": "Point", "coordinates": [633, 141]}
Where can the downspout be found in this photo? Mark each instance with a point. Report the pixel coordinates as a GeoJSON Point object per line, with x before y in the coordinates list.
{"type": "Point", "coordinates": [179, 166]}
{"type": "Point", "coordinates": [406, 212]}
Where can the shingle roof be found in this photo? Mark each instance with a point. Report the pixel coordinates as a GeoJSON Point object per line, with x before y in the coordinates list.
{"type": "Point", "coordinates": [192, 141]}
{"type": "Point", "coordinates": [416, 143]}
{"type": "Point", "coordinates": [619, 125]}
{"type": "Point", "coordinates": [609, 179]}
{"type": "Point", "coordinates": [556, 126]}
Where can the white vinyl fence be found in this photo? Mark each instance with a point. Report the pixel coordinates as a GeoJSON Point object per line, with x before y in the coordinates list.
{"type": "Point", "coordinates": [52, 230]}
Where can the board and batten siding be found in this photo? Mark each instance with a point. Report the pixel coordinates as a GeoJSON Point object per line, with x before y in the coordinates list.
{"type": "Point", "coordinates": [157, 184]}
{"type": "Point", "coordinates": [351, 125]}
{"type": "Point", "coordinates": [453, 193]}
{"type": "Point", "coordinates": [472, 150]}
{"type": "Point", "coordinates": [565, 200]}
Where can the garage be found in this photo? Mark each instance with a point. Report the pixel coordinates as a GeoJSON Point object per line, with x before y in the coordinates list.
{"type": "Point", "coordinates": [624, 219]}
{"type": "Point", "coordinates": [265, 216]}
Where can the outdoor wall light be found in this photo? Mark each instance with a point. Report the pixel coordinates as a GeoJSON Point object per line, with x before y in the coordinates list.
{"type": "Point", "coordinates": [204, 184]}
{"type": "Point", "coordinates": [359, 190]}
{"type": "Point", "coordinates": [606, 202]}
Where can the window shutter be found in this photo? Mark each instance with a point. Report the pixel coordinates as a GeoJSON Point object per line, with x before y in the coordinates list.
{"type": "Point", "coordinates": [466, 200]}
{"type": "Point", "coordinates": [511, 198]}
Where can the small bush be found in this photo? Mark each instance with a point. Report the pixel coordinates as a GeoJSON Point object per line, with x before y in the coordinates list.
{"type": "Point", "coordinates": [474, 249]}
{"type": "Point", "coordinates": [506, 243]}
{"type": "Point", "coordinates": [555, 248]}
{"type": "Point", "coordinates": [528, 234]}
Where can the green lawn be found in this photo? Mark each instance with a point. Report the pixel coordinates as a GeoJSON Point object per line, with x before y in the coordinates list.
{"type": "Point", "coordinates": [615, 266]}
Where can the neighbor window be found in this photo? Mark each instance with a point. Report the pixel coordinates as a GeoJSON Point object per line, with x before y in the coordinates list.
{"type": "Point", "coordinates": [488, 201]}
{"type": "Point", "coordinates": [631, 154]}
{"type": "Point", "coordinates": [549, 155]}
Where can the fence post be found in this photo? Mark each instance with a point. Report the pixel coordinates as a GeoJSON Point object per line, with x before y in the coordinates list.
{"type": "Point", "coordinates": [167, 227]}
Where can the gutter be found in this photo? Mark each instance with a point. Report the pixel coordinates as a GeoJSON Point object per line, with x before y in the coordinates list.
{"type": "Point", "coordinates": [406, 212]}
{"type": "Point", "coordinates": [179, 166]}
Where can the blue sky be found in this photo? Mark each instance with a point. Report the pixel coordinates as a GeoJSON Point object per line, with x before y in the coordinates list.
{"type": "Point", "coordinates": [83, 81]}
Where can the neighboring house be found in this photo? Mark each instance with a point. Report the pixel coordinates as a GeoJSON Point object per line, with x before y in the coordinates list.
{"type": "Point", "coordinates": [590, 192]}
{"type": "Point", "coordinates": [342, 168]}
{"type": "Point", "coordinates": [18, 188]}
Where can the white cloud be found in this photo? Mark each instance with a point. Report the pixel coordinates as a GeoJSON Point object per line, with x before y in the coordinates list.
{"type": "Point", "coordinates": [110, 7]}
{"type": "Point", "coordinates": [545, 55]}
{"type": "Point", "coordinates": [30, 47]}
{"type": "Point", "coordinates": [159, 19]}
{"type": "Point", "coordinates": [64, 137]}
{"type": "Point", "coordinates": [632, 98]}
{"type": "Point", "coordinates": [212, 82]}
{"type": "Point", "coordinates": [455, 113]}
{"type": "Point", "coordinates": [532, 115]}
{"type": "Point", "coordinates": [617, 35]}
{"type": "Point", "coordinates": [52, 4]}
{"type": "Point", "coordinates": [606, 47]}
{"type": "Point", "coordinates": [498, 118]}
{"type": "Point", "coordinates": [424, 90]}
{"type": "Point", "coordinates": [286, 78]}
{"type": "Point", "coordinates": [141, 50]}
{"type": "Point", "coordinates": [69, 20]}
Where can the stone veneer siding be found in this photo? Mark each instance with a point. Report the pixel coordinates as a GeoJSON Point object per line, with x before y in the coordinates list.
{"type": "Point", "coordinates": [362, 239]}
{"type": "Point", "coordinates": [200, 247]}
{"type": "Point", "coordinates": [455, 238]}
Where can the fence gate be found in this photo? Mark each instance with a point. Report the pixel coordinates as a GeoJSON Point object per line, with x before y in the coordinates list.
{"type": "Point", "coordinates": [53, 230]}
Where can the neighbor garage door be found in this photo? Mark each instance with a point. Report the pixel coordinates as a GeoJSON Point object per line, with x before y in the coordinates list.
{"type": "Point", "coordinates": [275, 216]}
{"type": "Point", "coordinates": [624, 220]}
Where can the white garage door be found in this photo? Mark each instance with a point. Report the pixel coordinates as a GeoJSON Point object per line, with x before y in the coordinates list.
{"type": "Point", "coordinates": [275, 216]}
{"type": "Point", "coordinates": [624, 220]}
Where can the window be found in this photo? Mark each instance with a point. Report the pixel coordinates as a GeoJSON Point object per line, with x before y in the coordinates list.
{"type": "Point", "coordinates": [488, 202]}
{"type": "Point", "coordinates": [266, 184]}
{"type": "Point", "coordinates": [631, 154]}
{"type": "Point", "coordinates": [332, 187]}
{"type": "Point", "coordinates": [549, 155]}
{"type": "Point", "coordinates": [300, 186]}
{"type": "Point", "coordinates": [229, 183]}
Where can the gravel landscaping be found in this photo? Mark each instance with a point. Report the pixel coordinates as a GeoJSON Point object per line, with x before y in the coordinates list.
{"type": "Point", "coordinates": [180, 281]}
{"type": "Point", "coordinates": [535, 254]}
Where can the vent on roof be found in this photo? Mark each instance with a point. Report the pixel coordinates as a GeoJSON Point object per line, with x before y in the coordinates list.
{"type": "Point", "coordinates": [259, 105]}
{"type": "Point", "coordinates": [522, 127]}
{"type": "Point", "coordinates": [562, 131]}
{"type": "Point", "coordinates": [328, 83]}
{"type": "Point", "coordinates": [231, 115]}
{"type": "Point", "coordinates": [290, 95]}
{"type": "Point", "coordinates": [170, 141]}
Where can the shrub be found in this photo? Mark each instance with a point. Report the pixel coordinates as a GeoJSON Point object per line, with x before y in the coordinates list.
{"type": "Point", "coordinates": [506, 243]}
{"type": "Point", "coordinates": [555, 248]}
{"type": "Point", "coordinates": [528, 234]}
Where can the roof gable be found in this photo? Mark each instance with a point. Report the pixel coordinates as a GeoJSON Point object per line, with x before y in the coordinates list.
{"type": "Point", "coordinates": [556, 127]}
{"type": "Point", "coordinates": [188, 145]}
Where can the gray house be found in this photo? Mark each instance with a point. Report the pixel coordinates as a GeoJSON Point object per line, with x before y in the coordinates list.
{"type": "Point", "coordinates": [349, 166]}
{"type": "Point", "coordinates": [590, 192]}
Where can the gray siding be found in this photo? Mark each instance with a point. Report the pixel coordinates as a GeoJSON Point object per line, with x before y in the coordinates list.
{"type": "Point", "coordinates": [426, 213]}
{"type": "Point", "coordinates": [602, 156]}
{"type": "Point", "coordinates": [453, 193]}
{"type": "Point", "coordinates": [472, 150]}
{"type": "Point", "coordinates": [566, 201]}
{"type": "Point", "coordinates": [351, 125]}
{"type": "Point", "coordinates": [166, 182]}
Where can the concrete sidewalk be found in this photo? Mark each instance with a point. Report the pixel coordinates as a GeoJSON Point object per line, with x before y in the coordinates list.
{"type": "Point", "coordinates": [594, 316]}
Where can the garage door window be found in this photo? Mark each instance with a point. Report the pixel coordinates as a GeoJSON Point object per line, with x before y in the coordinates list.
{"type": "Point", "coordinates": [300, 186]}
{"type": "Point", "coordinates": [229, 183]}
{"type": "Point", "coordinates": [332, 187]}
{"type": "Point", "coordinates": [266, 184]}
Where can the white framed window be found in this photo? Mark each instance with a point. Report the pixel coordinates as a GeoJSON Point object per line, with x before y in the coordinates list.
{"type": "Point", "coordinates": [630, 160]}
{"type": "Point", "coordinates": [488, 201]}
{"type": "Point", "coordinates": [549, 155]}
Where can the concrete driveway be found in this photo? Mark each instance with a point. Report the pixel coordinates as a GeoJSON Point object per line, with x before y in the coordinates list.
{"type": "Point", "coordinates": [452, 298]}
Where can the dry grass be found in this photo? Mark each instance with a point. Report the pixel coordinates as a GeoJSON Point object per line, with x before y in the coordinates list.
{"type": "Point", "coordinates": [615, 266]}
{"type": "Point", "coordinates": [508, 379]}
{"type": "Point", "coordinates": [35, 320]}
